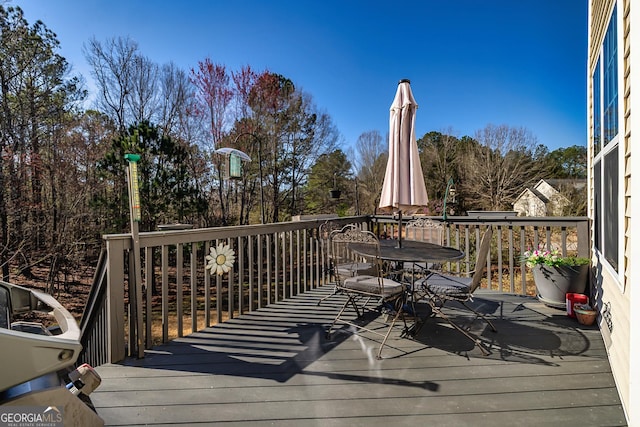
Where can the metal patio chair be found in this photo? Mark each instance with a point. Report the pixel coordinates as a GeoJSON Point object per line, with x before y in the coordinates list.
{"type": "Point", "coordinates": [338, 265]}
{"type": "Point", "coordinates": [438, 288]}
{"type": "Point", "coordinates": [388, 294]}
{"type": "Point", "coordinates": [425, 230]}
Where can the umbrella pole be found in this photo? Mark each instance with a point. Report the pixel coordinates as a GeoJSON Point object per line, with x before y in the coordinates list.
{"type": "Point", "coordinates": [399, 229]}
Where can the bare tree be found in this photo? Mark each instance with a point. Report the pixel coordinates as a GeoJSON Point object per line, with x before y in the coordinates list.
{"type": "Point", "coordinates": [310, 133]}
{"type": "Point", "coordinates": [243, 81]}
{"type": "Point", "coordinates": [143, 100]}
{"type": "Point", "coordinates": [213, 97]}
{"type": "Point", "coordinates": [439, 157]}
{"type": "Point", "coordinates": [211, 101]}
{"type": "Point", "coordinates": [371, 162]}
{"type": "Point", "coordinates": [498, 166]}
{"type": "Point", "coordinates": [113, 67]}
{"type": "Point", "coordinates": [175, 90]}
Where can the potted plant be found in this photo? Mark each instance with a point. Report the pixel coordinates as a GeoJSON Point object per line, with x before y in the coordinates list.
{"type": "Point", "coordinates": [555, 275]}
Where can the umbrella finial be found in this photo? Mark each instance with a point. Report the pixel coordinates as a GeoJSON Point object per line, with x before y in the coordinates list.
{"type": "Point", "coordinates": [404, 81]}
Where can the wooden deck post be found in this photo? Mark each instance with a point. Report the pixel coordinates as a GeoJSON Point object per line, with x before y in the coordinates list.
{"type": "Point", "coordinates": [115, 300]}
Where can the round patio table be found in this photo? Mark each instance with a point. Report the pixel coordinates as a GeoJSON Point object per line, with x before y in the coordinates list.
{"type": "Point", "coordinates": [411, 251]}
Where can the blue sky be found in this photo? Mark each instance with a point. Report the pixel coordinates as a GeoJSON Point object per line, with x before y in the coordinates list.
{"type": "Point", "coordinates": [471, 62]}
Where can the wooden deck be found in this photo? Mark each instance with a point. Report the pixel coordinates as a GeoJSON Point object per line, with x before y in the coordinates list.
{"type": "Point", "coordinates": [274, 367]}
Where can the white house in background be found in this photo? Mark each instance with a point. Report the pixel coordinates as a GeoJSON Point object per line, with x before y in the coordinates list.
{"type": "Point", "coordinates": [543, 199]}
{"type": "Point", "coordinates": [612, 72]}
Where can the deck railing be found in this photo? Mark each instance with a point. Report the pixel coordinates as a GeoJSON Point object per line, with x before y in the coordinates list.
{"type": "Point", "coordinates": [178, 296]}
{"type": "Point", "coordinates": [506, 271]}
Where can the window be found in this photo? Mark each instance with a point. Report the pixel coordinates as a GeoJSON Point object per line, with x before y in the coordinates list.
{"type": "Point", "coordinates": [605, 146]}
{"type": "Point", "coordinates": [610, 63]}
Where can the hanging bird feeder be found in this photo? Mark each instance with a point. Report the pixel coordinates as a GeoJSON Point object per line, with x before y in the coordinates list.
{"type": "Point", "coordinates": [334, 193]}
{"type": "Point", "coordinates": [234, 162]}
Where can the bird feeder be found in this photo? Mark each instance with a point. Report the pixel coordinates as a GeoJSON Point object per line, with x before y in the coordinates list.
{"type": "Point", "coordinates": [233, 162]}
{"type": "Point", "coordinates": [334, 193]}
{"type": "Point", "coordinates": [235, 167]}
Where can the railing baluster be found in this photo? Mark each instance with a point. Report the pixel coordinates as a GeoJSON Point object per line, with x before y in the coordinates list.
{"type": "Point", "coordinates": [165, 293]}
{"type": "Point", "coordinates": [207, 291]}
{"type": "Point", "coordinates": [523, 271]}
{"type": "Point", "coordinates": [251, 265]}
{"type": "Point", "coordinates": [302, 251]}
{"type": "Point", "coordinates": [321, 259]}
{"type": "Point", "coordinates": [512, 283]}
{"type": "Point", "coordinates": [457, 234]}
{"type": "Point", "coordinates": [149, 280]}
{"type": "Point", "coordinates": [276, 266]}
{"type": "Point", "coordinates": [467, 246]}
{"type": "Point", "coordinates": [487, 261]}
{"type": "Point", "coordinates": [260, 270]}
{"type": "Point", "coordinates": [194, 287]}
{"type": "Point", "coordinates": [219, 306]}
{"type": "Point", "coordinates": [240, 269]}
{"type": "Point", "coordinates": [269, 277]}
{"type": "Point", "coordinates": [499, 243]}
{"type": "Point", "coordinates": [231, 286]}
{"type": "Point", "coordinates": [292, 266]}
{"type": "Point", "coordinates": [179, 277]}
{"type": "Point", "coordinates": [283, 265]}
{"type": "Point", "coordinates": [307, 250]}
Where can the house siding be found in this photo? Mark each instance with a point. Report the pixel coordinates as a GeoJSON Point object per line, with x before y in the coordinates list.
{"type": "Point", "coordinates": [614, 290]}
{"type": "Point", "coordinates": [632, 224]}
{"type": "Point", "coordinates": [541, 200]}
{"type": "Point", "coordinates": [528, 204]}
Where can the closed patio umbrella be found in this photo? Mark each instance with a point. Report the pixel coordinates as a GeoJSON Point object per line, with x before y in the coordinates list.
{"type": "Point", "coordinates": [403, 190]}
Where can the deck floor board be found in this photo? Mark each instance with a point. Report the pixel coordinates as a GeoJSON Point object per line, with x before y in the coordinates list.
{"type": "Point", "coordinates": [276, 367]}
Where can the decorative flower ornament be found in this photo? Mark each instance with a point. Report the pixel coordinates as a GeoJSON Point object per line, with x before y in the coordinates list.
{"type": "Point", "coordinates": [220, 260]}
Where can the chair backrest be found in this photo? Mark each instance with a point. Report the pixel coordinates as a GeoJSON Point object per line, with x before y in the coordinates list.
{"type": "Point", "coordinates": [481, 259]}
{"type": "Point", "coordinates": [424, 230]}
{"type": "Point", "coordinates": [352, 263]}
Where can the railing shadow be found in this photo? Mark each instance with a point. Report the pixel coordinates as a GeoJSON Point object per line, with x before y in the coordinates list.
{"type": "Point", "coordinates": [275, 343]}
{"type": "Point", "coordinates": [286, 342]}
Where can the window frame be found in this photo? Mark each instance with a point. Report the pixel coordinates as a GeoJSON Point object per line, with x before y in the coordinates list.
{"type": "Point", "coordinates": [604, 146]}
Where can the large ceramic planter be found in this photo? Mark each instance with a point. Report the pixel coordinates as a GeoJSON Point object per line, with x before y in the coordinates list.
{"type": "Point", "coordinates": [553, 283]}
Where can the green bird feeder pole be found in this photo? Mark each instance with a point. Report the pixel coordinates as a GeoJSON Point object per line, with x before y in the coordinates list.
{"type": "Point", "coordinates": [136, 345]}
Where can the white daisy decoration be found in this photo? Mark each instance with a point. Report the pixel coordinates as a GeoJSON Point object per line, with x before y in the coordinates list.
{"type": "Point", "coordinates": [220, 260]}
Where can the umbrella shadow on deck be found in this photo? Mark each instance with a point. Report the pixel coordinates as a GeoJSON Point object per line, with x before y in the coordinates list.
{"type": "Point", "coordinates": [524, 334]}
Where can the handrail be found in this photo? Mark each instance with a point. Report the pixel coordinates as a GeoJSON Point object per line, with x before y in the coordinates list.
{"type": "Point", "coordinates": [93, 326]}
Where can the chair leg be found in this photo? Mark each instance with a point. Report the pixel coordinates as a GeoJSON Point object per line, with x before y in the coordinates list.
{"type": "Point", "coordinates": [344, 307]}
{"type": "Point", "coordinates": [332, 294]}
{"type": "Point", "coordinates": [393, 322]}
